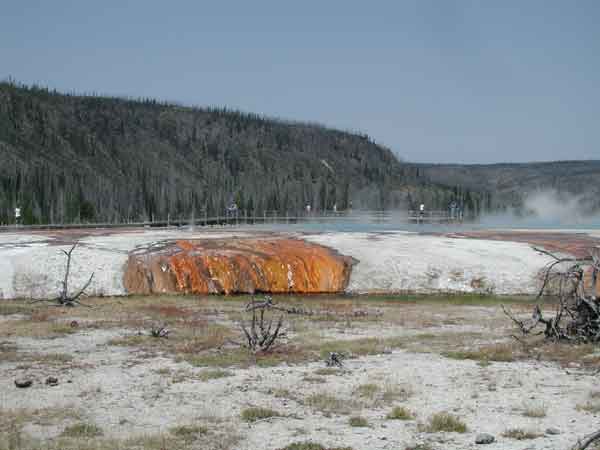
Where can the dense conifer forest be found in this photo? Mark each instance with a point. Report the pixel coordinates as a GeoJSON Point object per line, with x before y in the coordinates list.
{"type": "Point", "coordinates": [68, 158]}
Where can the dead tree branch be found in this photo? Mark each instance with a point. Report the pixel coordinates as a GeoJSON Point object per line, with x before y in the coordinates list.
{"type": "Point", "coordinates": [577, 316]}
{"type": "Point", "coordinates": [64, 299]}
{"type": "Point", "coordinates": [587, 441]}
{"type": "Point", "coordinates": [160, 331]}
{"type": "Point", "coordinates": [260, 334]}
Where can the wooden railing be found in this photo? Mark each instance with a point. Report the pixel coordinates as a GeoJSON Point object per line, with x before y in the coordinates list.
{"type": "Point", "coordinates": [266, 217]}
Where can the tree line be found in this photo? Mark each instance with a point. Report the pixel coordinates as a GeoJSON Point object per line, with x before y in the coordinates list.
{"type": "Point", "coordinates": [68, 158]}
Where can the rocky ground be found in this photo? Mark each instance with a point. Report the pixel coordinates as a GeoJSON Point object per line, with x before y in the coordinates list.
{"type": "Point", "coordinates": [421, 373]}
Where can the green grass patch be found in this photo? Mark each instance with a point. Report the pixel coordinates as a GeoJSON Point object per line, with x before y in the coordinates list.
{"type": "Point", "coordinates": [188, 432]}
{"type": "Point", "coordinates": [450, 299]}
{"type": "Point", "coordinates": [313, 379]}
{"type": "Point", "coordinates": [329, 371]}
{"type": "Point", "coordinates": [215, 374]}
{"type": "Point", "coordinates": [254, 414]}
{"type": "Point", "coordinates": [82, 430]}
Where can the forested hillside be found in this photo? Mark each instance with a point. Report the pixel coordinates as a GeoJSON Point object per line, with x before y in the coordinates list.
{"type": "Point", "coordinates": [69, 158]}
{"type": "Point", "coordinates": [509, 185]}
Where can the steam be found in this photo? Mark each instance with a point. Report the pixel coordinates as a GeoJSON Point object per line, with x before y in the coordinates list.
{"type": "Point", "coordinates": [548, 209]}
{"type": "Point", "coordinates": [550, 206]}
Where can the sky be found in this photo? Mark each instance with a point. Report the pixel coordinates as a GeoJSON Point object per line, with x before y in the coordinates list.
{"type": "Point", "coordinates": [436, 81]}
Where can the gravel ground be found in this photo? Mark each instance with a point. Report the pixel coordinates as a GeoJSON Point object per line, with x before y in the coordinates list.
{"type": "Point", "coordinates": [129, 394]}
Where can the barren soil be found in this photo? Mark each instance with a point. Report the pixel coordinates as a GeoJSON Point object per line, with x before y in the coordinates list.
{"type": "Point", "coordinates": [118, 387]}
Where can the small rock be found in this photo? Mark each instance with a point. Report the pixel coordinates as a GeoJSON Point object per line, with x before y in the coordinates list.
{"type": "Point", "coordinates": [23, 382]}
{"type": "Point", "coordinates": [74, 324]}
{"type": "Point", "coordinates": [52, 381]}
{"type": "Point", "coordinates": [484, 438]}
{"type": "Point", "coordinates": [552, 431]}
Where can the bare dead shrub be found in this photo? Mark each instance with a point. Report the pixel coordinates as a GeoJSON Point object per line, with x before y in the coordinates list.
{"type": "Point", "coordinates": [64, 299]}
{"type": "Point", "coordinates": [260, 332]}
{"type": "Point", "coordinates": [577, 315]}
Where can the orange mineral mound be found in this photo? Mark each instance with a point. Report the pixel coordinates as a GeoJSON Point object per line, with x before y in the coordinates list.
{"type": "Point", "coordinates": [229, 266]}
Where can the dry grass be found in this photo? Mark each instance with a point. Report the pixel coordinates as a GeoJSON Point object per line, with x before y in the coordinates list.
{"type": "Point", "coordinates": [187, 338]}
{"type": "Point", "coordinates": [187, 438]}
{"type": "Point", "coordinates": [313, 379]}
{"type": "Point", "coordinates": [445, 422]}
{"type": "Point", "coordinates": [241, 357]}
{"type": "Point", "coordinates": [201, 333]}
{"type": "Point", "coordinates": [591, 406]}
{"type": "Point", "coordinates": [35, 329]}
{"type": "Point", "coordinates": [9, 352]}
{"type": "Point", "coordinates": [424, 446]}
{"type": "Point", "coordinates": [358, 421]}
{"type": "Point", "coordinates": [330, 404]}
{"type": "Point", "coordinates": [385, 394]}
{"type": "Point", "coordinates": [202, 327]}
{"type": "Point", "coordinates": [400, 413]}
{"type": "Point", "coordinates": [353, 347]}
{"type": "Point", "coordinates": [16, 418]}
{"type": "Point", "coordinates": [520, 434]}
{"type": "Point", "coordinates": [188, 432]}
{"type": "Point", "coordinates": [498, 353]}
{"type": "Point", "coordinates": [395, 392]}
{"type": "Point", "coordinates": [215, 374]}
{"type": "Point", "coordinates": [367, 390]}
{"type": "Point", "coordinates": [10, 307]}
{"type": "Point", "coordinates": [329, 371]}
{"type": "Point", "coordinates": [282, 393]}
{"type": "Point", "coordinates": [535, 411]}
{"type": "Point", "coordinates": [311, 446]}
{"type": "Point", "coordinates": [565, 353]}
{"type": "Point", "coordinates": [28, 360]}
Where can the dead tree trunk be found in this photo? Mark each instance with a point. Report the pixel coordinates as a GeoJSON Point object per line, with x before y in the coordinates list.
{"type": "Point", "coordinates": [64, 299]}
{"type": "Point", "coordinates": [584, 443]}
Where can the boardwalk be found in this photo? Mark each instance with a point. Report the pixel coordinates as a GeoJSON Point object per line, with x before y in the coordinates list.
{"type": "Point", "coordinates": [267, 217]}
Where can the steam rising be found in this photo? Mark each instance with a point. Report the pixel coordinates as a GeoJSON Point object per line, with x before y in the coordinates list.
{"type": "Point", "coordinates": [547, 209]}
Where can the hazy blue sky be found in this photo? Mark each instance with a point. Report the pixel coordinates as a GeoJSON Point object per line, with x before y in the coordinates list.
{"type": "Point", "coordinates": [436, 81]}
